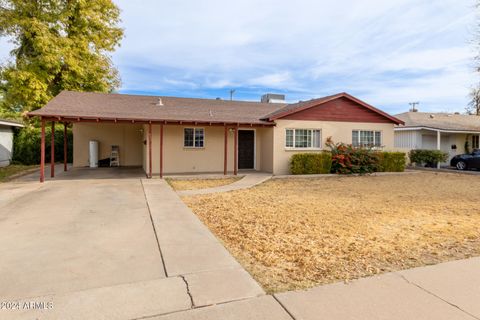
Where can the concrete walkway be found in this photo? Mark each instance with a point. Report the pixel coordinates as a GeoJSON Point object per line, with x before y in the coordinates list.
{"type": "Point", "coordinates": [191, 251]}
{"type": "Point", "coordinates": [248, 181]}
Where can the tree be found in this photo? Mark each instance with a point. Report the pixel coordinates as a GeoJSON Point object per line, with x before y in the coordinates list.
{"type": "Point", "coordinates": [474, 104]}
{"type": "Point", "coordinates": [59, 45]}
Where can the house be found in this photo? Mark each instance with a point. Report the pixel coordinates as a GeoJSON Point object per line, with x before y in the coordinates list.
{"type": "Point", "coordinates": [6, 140]}
{"type": "Point", "coordinates": [451, 133]}
{"type": "Point", "coordinates": [169, 135]}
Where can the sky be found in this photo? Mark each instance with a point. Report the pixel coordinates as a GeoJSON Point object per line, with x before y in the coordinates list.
{"type": "Point", "coordinates": [387, 53]}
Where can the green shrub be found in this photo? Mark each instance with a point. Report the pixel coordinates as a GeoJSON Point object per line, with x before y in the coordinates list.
{"type": "Point", "coordinates": [392, 161]}
{"type": "Point", "coordinates": [311, 163]}
{"type": "Point", "coordinates": [428, 158]}
{"type": "Point", "coordinates": [26, 145]}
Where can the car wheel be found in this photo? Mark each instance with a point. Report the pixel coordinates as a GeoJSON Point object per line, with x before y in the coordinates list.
{"type": "Point", "coordinates": [461, 165]}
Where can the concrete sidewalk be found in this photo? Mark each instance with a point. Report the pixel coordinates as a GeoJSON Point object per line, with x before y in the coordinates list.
{"type": "Point", "coordinates": [445, 291]}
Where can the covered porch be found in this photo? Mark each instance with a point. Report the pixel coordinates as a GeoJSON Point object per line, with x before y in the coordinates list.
{"type": "Point", "coordinates": [452, 142]}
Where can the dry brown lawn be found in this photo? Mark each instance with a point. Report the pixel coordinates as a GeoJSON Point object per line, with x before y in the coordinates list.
{"type": "Point", "coordinates": [297, 233]}
{"type": "Point", "coordinates": [193, 184]}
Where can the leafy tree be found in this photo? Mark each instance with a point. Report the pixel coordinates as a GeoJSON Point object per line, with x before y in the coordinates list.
{"type": "Point", "coordinates": [59, 45]}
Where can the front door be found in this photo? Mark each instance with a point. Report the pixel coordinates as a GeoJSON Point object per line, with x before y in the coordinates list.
{"type": "Point", "coordinates": [246, 149]}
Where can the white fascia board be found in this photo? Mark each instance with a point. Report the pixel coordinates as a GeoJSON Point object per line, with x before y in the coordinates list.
{"type": "Point", "coordinates": [11, 124]}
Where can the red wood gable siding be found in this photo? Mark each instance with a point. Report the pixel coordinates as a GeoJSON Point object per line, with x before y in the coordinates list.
{"type": "Point", "coordinates": [341, 109]}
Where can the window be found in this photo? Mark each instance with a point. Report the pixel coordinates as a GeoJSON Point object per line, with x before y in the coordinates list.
{"type": "Point", "coordinates": [475, 142]}
{"type": "Point", "coordinates": [193, 137]}
{"type": "Point", "coordinates": [303, 138]}
{"type": "Point", "coordinates": [366, 138]}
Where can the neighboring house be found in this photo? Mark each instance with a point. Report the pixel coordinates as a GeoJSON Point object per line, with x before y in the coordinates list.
{"type": "Point", "coordinates": [185, 135]}
{"type": "Point", "coordinates": [437, 131]}
{"type": "Point", "coordinates": [6, 140]}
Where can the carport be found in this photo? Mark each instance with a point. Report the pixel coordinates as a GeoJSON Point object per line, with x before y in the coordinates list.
{"type": "Point", "coordinates": [164, 121]}
{"type": "Point", "coordinates": [67, 121]}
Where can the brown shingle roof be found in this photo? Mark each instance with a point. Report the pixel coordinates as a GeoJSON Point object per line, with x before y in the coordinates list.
{"type": "Point", "coordinates": [104, 106]}
{"type": "Point", "coordinates": [71, 104]}
{"type": "Point", "coordinates": [442, 121]}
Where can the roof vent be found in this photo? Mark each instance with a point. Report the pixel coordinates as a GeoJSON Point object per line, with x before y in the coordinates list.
{"type": "Point", "coordinates": [457, 112]}
{"type": "Point", "coordinates": [218, 98]}
{"type": "Point", "coordinates": [273, 98]}
{"type": "Point", "coordinates": [160, 102]}
{"type": "Point", "coordinates": [432, 116]}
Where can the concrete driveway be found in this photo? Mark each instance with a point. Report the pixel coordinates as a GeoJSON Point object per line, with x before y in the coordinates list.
{"type": "Point", "coordinates": [74, 234]}
{"type": "Point", "coordinates": [108, 244]}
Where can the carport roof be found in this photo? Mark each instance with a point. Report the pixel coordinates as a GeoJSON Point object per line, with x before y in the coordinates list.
{"type": "Point", "coordinates": [117, 107]}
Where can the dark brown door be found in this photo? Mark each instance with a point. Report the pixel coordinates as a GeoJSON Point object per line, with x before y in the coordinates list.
{"type": "Point", "coordinates": [246, 149]}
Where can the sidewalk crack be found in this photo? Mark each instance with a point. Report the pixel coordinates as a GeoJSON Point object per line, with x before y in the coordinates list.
{"type": "Point", "coordinates": [436, 296]}
{"type": "Point", "coordinates": [188, 291]}
{"type": "Point", "coordinates": [283, 307]}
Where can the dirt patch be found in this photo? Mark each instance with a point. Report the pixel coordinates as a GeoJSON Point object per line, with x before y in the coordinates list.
{"type": "Point", "coordinates": [297, 233]}
{"type": "Point", "coordinates": [14, 171]}
{"type": "Point", "coordinates": [194, 184]}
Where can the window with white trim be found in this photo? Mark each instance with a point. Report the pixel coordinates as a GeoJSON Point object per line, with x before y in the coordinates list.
{"type": "Point", "coordinates": [303, 138]}
{"type": "Point", "coordinates": [193, 137]}
{"type": "Point", "coordinates": [475, 142]}
{"type": "Point", "coordinates": [366, 138]}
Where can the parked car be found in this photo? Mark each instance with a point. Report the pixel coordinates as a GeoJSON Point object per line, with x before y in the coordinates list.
{"type": "Point", "coordinates": [467, 161]}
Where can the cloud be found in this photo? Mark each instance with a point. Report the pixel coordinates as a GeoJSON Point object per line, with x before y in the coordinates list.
{"type": "Point", "coordinates": [271, 80]}
{"type": "Point", "coordinates": [385, 52]}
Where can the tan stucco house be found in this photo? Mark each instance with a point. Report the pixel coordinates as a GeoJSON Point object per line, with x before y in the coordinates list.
{"type": "Point", "coordinates": [448, 132]}
{"type": "Point", "coordinates": [169, 135]}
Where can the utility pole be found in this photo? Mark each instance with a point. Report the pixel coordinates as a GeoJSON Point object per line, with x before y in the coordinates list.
{"type": "Point", "coordinates": [231, 94]}
{"type": "Point", "coordinates": [413, 105]}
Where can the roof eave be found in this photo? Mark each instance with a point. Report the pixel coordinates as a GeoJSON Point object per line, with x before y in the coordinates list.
{"type": "Point", "coordinates": [70, 118]}
{"type": "Point", "coordinates": [8, 123]}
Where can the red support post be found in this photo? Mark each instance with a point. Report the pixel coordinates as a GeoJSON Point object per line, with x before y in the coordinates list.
{"type": "Point", "coordinates": [225, 152]}
{"type": "Point", "coordinates": [52, 151]}
{"type": "Point", "coordinates": [150, 150]}
{"type": "Point", "coordinates": [65, 146]}
{"type": "Point", "coordinates": [42, 153]}
{"type": "Point", "coordinates": [161, 150]}
{"type": "Point", "coordinates": [235, 152]}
